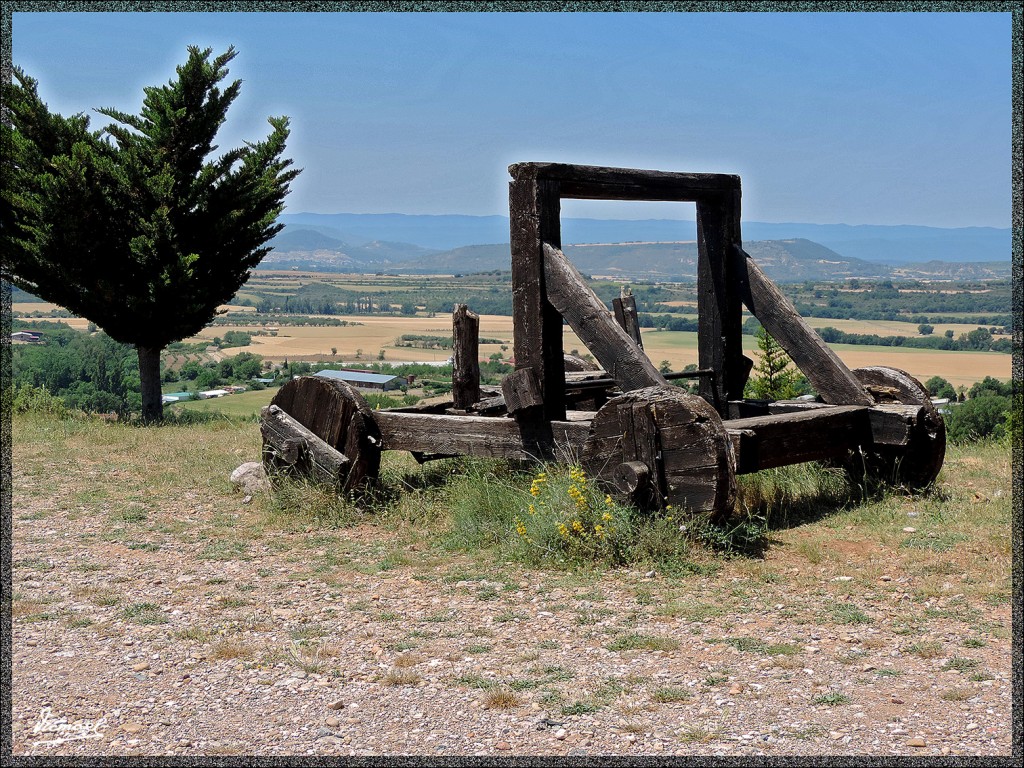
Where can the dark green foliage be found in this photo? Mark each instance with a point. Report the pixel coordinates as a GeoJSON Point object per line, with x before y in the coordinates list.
{"type": "Point", "coordinates": [982, 416]}
{"type": "Point", "coordinates": [88, 372]}
{"type": "Point", "coordinates": [977, 340]}
{"type": "Point", "coordinates": [938, 387]}
{"type": "Point", "coordinates": [132, 226]}
{"type": "Point", "coordinates": [774, 376]}
{"type": "Point", "coordinates": [992, 386]}
{"type": "Point", "coordinates": [95, 374]}
{"type": "Point", "coordinates": [236, 339]}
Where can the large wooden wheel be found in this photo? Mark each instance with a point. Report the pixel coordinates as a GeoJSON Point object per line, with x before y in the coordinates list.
{"type": "Point", "coordinates": [659, 446]}
{"type": "Point", "coordinates": [916, 464]}
{"type": "Point", "coordinates": [337, 414]}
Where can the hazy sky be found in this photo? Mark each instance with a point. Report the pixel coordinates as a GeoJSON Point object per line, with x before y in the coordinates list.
{"type": "Point", "coordinates": [828, 117]}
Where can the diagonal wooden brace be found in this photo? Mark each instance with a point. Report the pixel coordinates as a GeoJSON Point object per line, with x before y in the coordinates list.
{"type": "Point", "coordinates": [587, 315]}
{"type": "Point", "coordinates": [827, 373]}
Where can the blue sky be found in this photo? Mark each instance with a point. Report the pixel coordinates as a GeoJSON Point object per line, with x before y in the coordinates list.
{"type": "Point", "coordinates": [828, 117]}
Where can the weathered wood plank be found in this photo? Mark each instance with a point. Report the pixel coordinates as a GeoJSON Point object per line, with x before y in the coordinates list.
{"type": "Point", "coordinates": [602, 183]}
{"type": "Point", "coordinates": [834, 382]}
{"type": "Point", "coordinates": [521, 390]}
{"type": "Point", "coordinates": [624, 308]}
{"type": "Point", "coordinates": [475, 436]}
{"type": "Point", "coordinates": [791, 438]}
{"type": "Point", "coordinates": [337, 414]}
{"type": "Point", "coordinates": [587, 315]}
{"type": "Point", "coordinates": [894, 424]}
{"type": "Point", "coordinates": [465, 356]}
{"type": "Point", "coordinates": [537, 334]}
{"type": "Point", "coordinates": [720, 333]}
{"type": "Point", "coordinates": [288, 444]}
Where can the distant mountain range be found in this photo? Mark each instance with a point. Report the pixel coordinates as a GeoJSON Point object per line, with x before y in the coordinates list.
{"type": "Point", "coordinates": [651, 249]}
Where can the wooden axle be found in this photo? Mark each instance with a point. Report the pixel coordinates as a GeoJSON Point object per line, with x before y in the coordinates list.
{"type": "Point", "coordinates": [760, 442]}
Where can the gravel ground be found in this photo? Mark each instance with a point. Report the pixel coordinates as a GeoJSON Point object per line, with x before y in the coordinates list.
{"type": "Point", "coordinates": [123, 648]}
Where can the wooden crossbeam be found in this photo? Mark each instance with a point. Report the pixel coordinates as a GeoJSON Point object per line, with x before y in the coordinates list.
{"type": "Point", "coordinates": [496, 438]}
{"type": "Point", "coordinates": [590, 182]}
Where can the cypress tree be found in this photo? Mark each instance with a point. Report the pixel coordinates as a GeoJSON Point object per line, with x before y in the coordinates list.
{"type": "Point", "coordinates": [135, 226]}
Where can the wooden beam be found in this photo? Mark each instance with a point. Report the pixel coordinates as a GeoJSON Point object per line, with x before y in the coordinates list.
{"type": "Point", "coordinates": [537, 332]}
{"type": "Point", "coordinates": [289, 445]}
{"type": "Point", "coordinates": [894, 424]}
{"type": "Point", "coordinates": [476, 436]}
{"type": "Point", "coordinates": [593, 323]}
{"type": "Point", "coordinates": [720, 331]}
{"type": "Point", "coordinates": [521, 390]}
{"type": "Point", "coordinates": [834, 382]}
{"type": "Point", "coordinates": [763, 442]}
{"type": "Point", "coordinates": [601, 183]}
{"type": "Point", "coordinates": [465, 357]}
{"type": "Point", "coordinates": [814, 432]}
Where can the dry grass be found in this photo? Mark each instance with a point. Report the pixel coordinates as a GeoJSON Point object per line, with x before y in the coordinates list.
{"type": "Point", "coordinates": [399, 677]}
{"type": "Point", "coordinates": [500, 698]}
{"type": "Point", "coordinates": [230, 648]}
{"type": "Point", "coordinates": [406, 660]}
{"type": "Point", "coordinates": [926, 649]}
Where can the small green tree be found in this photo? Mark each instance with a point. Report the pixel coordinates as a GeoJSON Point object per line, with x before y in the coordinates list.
{"type": "Point", "coordinates": [940, 387]}
{"type": "Point", "coordinates": [776, 378]}
{"type": "Point", "coordinates": [132, 226]}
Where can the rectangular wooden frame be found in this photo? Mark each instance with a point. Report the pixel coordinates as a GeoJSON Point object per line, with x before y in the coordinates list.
{"type": "Point", "coordinates": [535, 195]}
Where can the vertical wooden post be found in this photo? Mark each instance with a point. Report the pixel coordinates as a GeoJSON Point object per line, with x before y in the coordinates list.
{"type": "Point", "coordinates": [720, 339]}
{"type": "Point", "coordinates": [625, 316]}
{"type": "Point", "coordinates": [534, 208]}
{"type": "Point", "coordinates": [465, 357]}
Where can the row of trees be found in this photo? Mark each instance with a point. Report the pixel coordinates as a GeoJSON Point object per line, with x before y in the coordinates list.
{"type": "Point", "coordinates": [978, 340]}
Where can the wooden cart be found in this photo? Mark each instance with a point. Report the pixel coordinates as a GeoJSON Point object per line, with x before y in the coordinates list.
{"type": "Point", "coordinates": [649, 441]}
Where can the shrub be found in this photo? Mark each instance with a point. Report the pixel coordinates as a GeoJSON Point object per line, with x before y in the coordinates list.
{"type": "Point", "coordinates": [983, 416]}
{"type": "Point", "coordinates": [568, 518]}
{"type": "Point", "coordinates": [940, 387]}
{"type": "Point", "coordinates": [29, 399]}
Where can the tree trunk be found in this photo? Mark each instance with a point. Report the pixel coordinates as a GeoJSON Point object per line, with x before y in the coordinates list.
{"type": "Point", "coordinates": [149, 374]}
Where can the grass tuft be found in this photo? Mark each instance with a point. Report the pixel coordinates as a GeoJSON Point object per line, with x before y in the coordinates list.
{"type": "Point", "coordinates": [640, 642]}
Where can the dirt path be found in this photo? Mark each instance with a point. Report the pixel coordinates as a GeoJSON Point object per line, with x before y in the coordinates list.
{"type": "Point", "coordinates": [188, 627]}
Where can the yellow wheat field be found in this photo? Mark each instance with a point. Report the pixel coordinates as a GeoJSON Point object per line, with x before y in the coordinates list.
{"type": "Point", "coordinates": [354, 343]}
{"type": "Point", "coordinates": [364, 342]}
